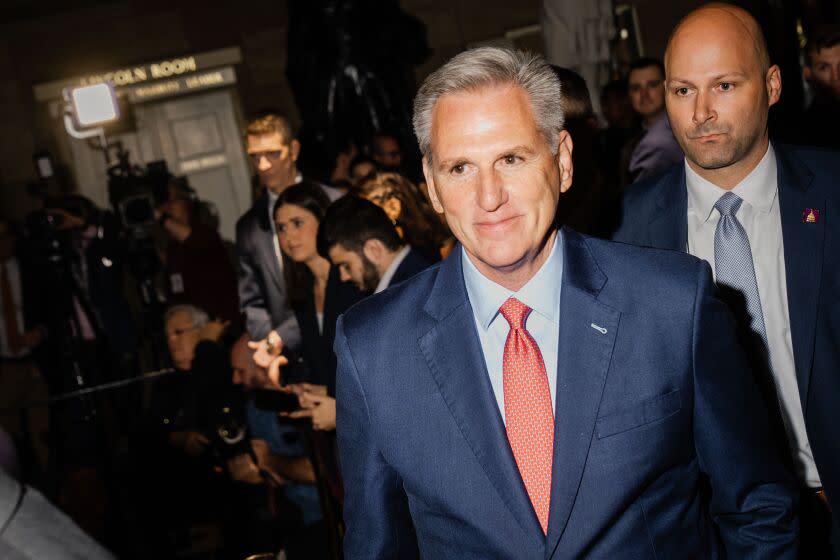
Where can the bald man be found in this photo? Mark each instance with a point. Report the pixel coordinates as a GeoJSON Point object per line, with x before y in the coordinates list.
{"type": "Point", "coordinates": [762, 216]}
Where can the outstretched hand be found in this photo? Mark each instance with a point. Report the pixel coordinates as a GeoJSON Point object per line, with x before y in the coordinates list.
{"type": "Point", "coordinates": [267, 355]}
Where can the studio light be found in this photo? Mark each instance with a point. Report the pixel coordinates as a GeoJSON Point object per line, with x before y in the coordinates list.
{"type": "Point", "coordinates": [94, 105]}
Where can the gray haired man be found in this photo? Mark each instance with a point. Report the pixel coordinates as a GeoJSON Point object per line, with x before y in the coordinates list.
{"type": "Point", "coordinates": [541, 394]}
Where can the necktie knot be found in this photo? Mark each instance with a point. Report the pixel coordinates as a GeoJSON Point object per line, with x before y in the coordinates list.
{"type": "Point", "coordinates": [515, 313]}
{"type": "Point", "coordinates": [728, 204]}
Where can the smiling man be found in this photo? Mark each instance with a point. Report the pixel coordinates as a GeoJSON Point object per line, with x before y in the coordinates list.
{"type": "Point", "coordinates": [541, 394]}
{"type": "Point", "coordinates": [761, 214]}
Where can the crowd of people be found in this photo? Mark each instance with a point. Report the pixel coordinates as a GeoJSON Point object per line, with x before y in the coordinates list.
{"type": "Point", "coordinates": [294, 425]}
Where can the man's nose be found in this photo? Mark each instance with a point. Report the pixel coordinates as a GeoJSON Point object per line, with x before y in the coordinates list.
{"type": "Point", "coordinates": [263, 164]}
{"type": "Point", "coordinates": [703, 110]}
{"type": "Point", "coordinates": [491, 192]}
{"type": "Point", "coordinates": [344, 275]}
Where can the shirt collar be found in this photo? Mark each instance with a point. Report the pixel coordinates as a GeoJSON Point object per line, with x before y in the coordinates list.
{"type": "Point", "coordinates": [272, 198]}
{"type": "Point", "coordinates": [541, 293]}
{"type": "Point", "coordinates": [758, 188]}
{"type": "Point", "coordinates": [392, 269]}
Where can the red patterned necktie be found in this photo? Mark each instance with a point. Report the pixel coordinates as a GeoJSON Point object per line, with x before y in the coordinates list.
{"type": "Point", "coordinates": [528, 415]}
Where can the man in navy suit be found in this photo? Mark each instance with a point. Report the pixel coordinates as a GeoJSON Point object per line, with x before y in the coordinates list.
{"type": "Point", "coordinates": [541, 394]}
{"type": "Point", "coordinates": [719, 87]}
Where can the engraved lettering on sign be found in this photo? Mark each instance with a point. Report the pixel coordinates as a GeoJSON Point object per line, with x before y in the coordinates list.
{"type": "Point", "coordinates": [173, 67]}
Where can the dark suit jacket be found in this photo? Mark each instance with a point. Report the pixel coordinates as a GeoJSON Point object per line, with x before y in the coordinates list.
{"type": "Point", "coordinates": [655, 214]}
{"type": "Point", "coordinates": [317, 347]}
{"type": "Point", "coordinates": [262, 290]}
{"type": "Point", "coordinates": [652, 398]}
{"type": "Point", "coordinates": [413, 263]}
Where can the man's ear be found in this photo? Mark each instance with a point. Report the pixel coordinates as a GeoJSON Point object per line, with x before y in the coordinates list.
{"type": "Point", "coordinates": [294, 148]}
{"type": "Point", "coordinates": [774, 85]}
{"type": "Point", "coordinates": [430, 185]}
{"type": "Point", "coordinates": [564, 160]}
{"type": "Point", "coordinates": [372, 250]}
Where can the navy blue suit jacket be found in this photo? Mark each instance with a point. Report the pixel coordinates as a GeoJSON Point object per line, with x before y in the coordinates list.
{"type": "Point", "coordinates": [650, 405]}
{"type": "Point", "coordinates": [655, 214]}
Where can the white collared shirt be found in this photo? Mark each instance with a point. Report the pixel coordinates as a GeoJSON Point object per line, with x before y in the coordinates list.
{"type": "Point", "coordinates": [541, 293]}
{"type": "Point", "coordinates": [759, 215]}
{"type": "Point", "coordinates": [385, 281]}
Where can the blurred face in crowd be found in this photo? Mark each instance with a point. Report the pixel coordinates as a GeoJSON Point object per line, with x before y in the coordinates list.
{"type": "Point", "coordinates": [297, 232]}
{"type": "Point", "coordinates": [646, 92]}
{"type": "Point", "coordinates": [617, 109]}
{"type": "Point", "coordinates": [7, 242]}
{"type": "Point", "coordinates": [182, 336]}
{"type": "Point", "coordinates": [245, 370]}
{"type": "Point", "coordinates": [274, 160]}
{"type": "Point", "coordinates": [354, 267]}
{"type": "Point", "coordinates": [495, 178]}
{"type": "Point", "coordinates": [385, 198]}
{"type": "Point", "coordinates": [824, 72]}
{"type": "Point", "coordinates": [386, 152]}
{"type": "Point", "coordinates": [719, 92]}
{"type": "Point", "coordinates": [361, 170]}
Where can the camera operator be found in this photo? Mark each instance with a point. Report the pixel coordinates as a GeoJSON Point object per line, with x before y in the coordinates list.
{"type": "Point", "coordinates": [194, 253]}
{"type": "Point", "coordinates": [101, 323]}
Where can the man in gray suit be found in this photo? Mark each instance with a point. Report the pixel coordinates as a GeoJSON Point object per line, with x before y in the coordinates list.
{"type": "Point", "coordinates": [31, 528]}
{"type": "Point", "coordinates": [273, 151]}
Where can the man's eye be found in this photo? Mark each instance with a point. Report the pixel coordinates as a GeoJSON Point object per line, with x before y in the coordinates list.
{"type": "Point", "coordinates": [458, 169]}
{"type": "Point", "coordinates": [726, 86]}
{"type": "Point", "coordinates": [681, 91]}
{"type": "Point", "coordinates": [510, 159]}
{"type": "Point", "coordinates": [281, 228]}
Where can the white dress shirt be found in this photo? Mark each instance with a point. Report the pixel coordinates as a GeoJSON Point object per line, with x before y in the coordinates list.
{"type": "Point", "coordinates": [759, 215]}
{"type": "Point", "coordinates": [541, 293]}
{"type": "Point", "coordinates": [385, 281]}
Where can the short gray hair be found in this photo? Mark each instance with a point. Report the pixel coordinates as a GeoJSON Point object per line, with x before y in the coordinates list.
{"type": "Point", "coordinates": [488, 66]}
{"type": "Point", "coordinates": [198, 316]}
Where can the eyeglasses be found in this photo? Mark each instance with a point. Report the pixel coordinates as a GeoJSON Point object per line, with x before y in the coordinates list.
{"type": "Point", "coordinates": [270, 155]}
{"type": "Point", "coordinates": [179, 332]}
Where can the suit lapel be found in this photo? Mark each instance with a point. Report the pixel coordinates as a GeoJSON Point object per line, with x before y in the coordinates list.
{"type": "Point", "coordinates": [669, 225]}
{"type": "Point", "coordinates": [803, 258]}
{"type": "Point", "coordinates": [453, 352]}
{"type": "Point", "coordinates": [265, 243]}
{"type": "Point", "coordinates": [582, 362]}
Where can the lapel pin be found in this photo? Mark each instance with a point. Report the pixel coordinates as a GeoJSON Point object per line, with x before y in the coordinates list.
{"type": "Point", "coordinates": [811, 216]}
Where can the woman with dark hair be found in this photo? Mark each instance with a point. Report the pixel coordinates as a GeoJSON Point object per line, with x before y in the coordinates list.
{"type": "Point", "coordinates": [316, 292]}
{"type": "Point", "coordinates": [414, 220]}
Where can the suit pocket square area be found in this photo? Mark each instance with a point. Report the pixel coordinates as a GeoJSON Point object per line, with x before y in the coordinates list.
{"type": "Point", "coordinates": [642, 414]}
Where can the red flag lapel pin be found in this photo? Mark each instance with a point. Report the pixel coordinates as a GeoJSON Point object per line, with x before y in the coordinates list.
{"type": "Point", "coordinates": [811, 216]}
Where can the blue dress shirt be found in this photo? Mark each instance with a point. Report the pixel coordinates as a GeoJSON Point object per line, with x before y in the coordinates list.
{"type": "Point", "coordinates": [541, 293]}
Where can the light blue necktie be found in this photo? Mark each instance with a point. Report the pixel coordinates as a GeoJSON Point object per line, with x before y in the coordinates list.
{"type": "Point", "coordinates": [734, 262]}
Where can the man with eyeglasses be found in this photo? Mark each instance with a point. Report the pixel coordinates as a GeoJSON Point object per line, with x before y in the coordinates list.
{"type": "Point", "coordinates": [273, 151]}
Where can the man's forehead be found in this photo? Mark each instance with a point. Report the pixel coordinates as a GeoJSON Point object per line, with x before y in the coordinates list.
{"type": "Point", "coordinates": [179, 318]}
{"type": "Point", "coordinates": [272, 141]}
{"type": "Point", "coordinates": [644, 73]}
{"type": "Point", "coordinates": [467, 120]}
{"type": "Point", "coordinates": [827, 54]}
